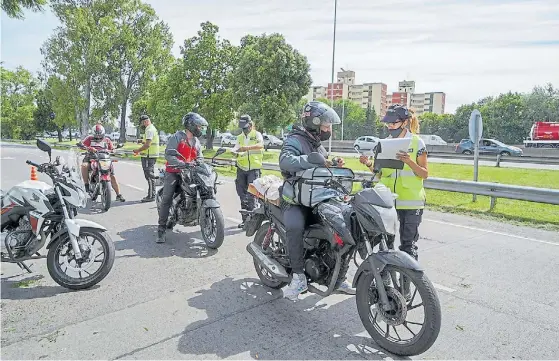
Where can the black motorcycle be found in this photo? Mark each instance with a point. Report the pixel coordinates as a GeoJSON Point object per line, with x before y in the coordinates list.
{"type": "Point", "coordinates": [194, 202]}
{"type": "Point", "coordinates": [343, 226]}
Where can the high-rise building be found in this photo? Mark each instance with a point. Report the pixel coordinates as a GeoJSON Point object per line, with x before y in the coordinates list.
{"type": "Point", "coordinates": [428, 102]}
{"type": "Point", "coordinates": [406, 86]}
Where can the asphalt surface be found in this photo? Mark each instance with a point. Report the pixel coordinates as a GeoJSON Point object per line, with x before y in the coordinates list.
{"type": "Point", "coordinates": [498, 285]}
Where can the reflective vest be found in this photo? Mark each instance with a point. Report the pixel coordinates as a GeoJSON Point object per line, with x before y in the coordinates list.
{"type": "Point", "coordinates": [153, 150]}
{"type": "Point", "coordinates": [404, 182]}
{"type": "Point", "coordinates": [252, 159]}
{"type": "Point", "coordinates": [188, 152]}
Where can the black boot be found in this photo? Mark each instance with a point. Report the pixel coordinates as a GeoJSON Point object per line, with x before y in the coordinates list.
{"type": "Point", "coordinates": [161, 235]}
{"type": "Point", "coordinates": [151, 191]}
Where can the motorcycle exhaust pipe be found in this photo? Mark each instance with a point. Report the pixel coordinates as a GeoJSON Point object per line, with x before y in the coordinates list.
{"type": "Point", "coordinates": [271, 265]}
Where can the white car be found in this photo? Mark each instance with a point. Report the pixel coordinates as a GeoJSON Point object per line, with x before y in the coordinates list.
{"type": "Point", "coordinates": [365, 143]}
{"type": "Point", "coordinates": [228, 140]}
{"type": "Point", "coordinates": [271, 140]}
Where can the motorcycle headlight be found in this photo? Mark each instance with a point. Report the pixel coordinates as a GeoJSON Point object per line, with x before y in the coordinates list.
{"type": "Point", "coordinates": [105, 164]}
{"type": "Point", "coordinates": [209, 180]}
{"type": "Point", "coordinates": [82, 198]}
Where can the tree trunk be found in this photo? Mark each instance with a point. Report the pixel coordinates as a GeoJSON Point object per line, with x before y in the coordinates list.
{"type": "Point", "coordinates": [70, 133]}
{"type": "Point", "coordinates": [123, 121]}
{"type": "Point", "coordinates": [84, 114]}
{"type": "Point", "coordinates": [59, 131]}
{"type": "Point", "coordinates": [210, 135]}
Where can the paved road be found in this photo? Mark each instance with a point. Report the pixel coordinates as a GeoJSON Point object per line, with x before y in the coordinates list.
{"type": "Point", "coordinates": [498, 285]}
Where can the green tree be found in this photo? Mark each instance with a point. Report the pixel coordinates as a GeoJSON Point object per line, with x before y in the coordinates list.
{"type": "Point", "coordinates": [14, 8]}
{"type": "Point", "coordinates": [141, 49]}
{"type": "Point", "coordinates": [77, 54]}
{"type": "Point", "coordinates": [354, 119]}
{"type": "Point", "coordinates": [18, 92]}
{"type": "Point", "coordinates": [542, 105]}
{"type": "Point", "coordinates": [269, 79]}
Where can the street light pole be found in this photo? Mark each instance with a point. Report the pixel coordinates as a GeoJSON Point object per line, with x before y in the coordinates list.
{"type": "Point", "coordinates": [332, 88]}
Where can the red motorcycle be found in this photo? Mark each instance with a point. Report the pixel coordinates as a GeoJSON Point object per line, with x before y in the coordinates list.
{"type": "Point", "coordinates": [100, 169]}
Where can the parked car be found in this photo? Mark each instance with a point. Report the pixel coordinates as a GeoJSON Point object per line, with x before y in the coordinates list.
{"type": "Point", "coordinates": [431, 139]}
{"type": "Point", "coordinates": [365, 143]}
{"type": "Point", "coordinates": [228, 140]}
{"type": "Point", "coordinates": [488, 147]}
{"type": "Point", "coordinates": [271, 140]}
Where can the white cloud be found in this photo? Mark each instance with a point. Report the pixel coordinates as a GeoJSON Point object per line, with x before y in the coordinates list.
{"type": "Point", "coordinates": [467, 48]}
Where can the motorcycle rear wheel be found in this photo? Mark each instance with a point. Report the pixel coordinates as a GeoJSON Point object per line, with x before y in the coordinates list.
{"type": "Point", "coordinates": [266, 278]}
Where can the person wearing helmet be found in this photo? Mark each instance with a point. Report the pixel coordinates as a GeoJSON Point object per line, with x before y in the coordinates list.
{"type": "Point", "coordinates": [317, 120]}
{"type": "Point", "coordinates": [98, 140]}
{"type": "Point", "coordinates": [149, 152]}
{"type": "Point", "coordinates": [187, 144]}
{"type": "Point", "coordinates": [407, 183]}
{"type": "Point", "coordinates": [249, 146]}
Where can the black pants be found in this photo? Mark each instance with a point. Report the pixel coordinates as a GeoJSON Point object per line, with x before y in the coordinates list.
{"type": "Point", "coordinates": [244, 179]}
{"type": "Point", "coordinates": [295, 219]}
{"type": "Point", "coordinates": [170, 184]}
{"type": "Point", "coordinates": [409, 230]}
{"type": "Point", "coordinates": [148, 165]}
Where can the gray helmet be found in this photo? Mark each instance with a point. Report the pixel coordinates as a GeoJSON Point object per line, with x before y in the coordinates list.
{"type": "Point", "coordinates": [316, 114]}
{"type": "Point", "coordinates": [244, 121]}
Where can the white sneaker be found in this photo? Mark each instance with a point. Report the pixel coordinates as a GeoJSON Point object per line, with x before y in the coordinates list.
{"type": "Point", "coordinates": [297, 286]}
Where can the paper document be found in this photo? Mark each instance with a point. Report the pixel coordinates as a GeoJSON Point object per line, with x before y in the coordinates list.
{"type": "Point", "coordinates": [390, 147]}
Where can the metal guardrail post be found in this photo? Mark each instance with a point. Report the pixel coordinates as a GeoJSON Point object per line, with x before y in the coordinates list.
{"type": "Point", "coordinates": [498, 165]}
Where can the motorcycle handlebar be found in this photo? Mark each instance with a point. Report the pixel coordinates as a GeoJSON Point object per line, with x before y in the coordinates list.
{"type": "Point", "coordinates": [33, 164]}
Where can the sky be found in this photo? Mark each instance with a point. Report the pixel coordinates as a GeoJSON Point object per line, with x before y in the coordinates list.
{"type": "Point", "coordinates": [468, 49]}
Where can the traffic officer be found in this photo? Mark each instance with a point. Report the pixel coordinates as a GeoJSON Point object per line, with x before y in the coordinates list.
{"type": "Point", "coordinates": [407, 183]}
{"type": "Point", "coordinates": [250, 145]}
{"type": "Point", "coordinates": [149, 152]}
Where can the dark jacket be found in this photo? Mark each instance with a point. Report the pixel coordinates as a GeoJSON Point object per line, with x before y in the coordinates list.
{"type": "Point", "coordinates": [293, 156]}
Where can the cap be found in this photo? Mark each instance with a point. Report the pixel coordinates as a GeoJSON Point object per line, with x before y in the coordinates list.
{"type": "Point", "coordinates": [396, 113]}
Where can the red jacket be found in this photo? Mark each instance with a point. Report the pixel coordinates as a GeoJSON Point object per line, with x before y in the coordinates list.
{"type": "Point", "coordinates": [190, 153]}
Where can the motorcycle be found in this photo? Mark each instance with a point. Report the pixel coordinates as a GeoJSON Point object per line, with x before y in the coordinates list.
{"type": "Point", "coordinates": [345, 225]}
{"type": "Point", "coordinates": [101, 166]}
{"type": "Point", "coordinates": [194, 203]}
{"type": "Point", "coordinates": [35, 213]}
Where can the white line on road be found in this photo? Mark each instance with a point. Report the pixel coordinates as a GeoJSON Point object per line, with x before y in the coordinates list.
{"type": "Point", "coordinates": [494, 232]}
{"type": "Point", "coordinates": [443, 288]}
{"type": "Point", "coordinates": [6, 158]}
{"type": "Point", "coordinates": [134, 187]}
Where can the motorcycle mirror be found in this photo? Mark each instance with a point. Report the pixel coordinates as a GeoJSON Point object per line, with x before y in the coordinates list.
{"type": "Point", "coordinates": [119, 145]}
{"type": "Point", "coordinates": [316, 158]}
{"type": "Point", "coordinates": [220, 151]}
{"type": "Point", "coordinates": [45, 147]}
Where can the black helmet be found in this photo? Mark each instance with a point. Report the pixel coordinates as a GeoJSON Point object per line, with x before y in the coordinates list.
{"type": "Point", "coordinates": [396, 113]}
{"type": "Point", "coordinates": [194, 123]}
{"type": "Point", "coordinates": [244, 121]}
{"type": "Point", "coordinates": [316, 114]}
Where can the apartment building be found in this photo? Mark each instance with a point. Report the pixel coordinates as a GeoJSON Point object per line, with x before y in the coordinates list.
{"type": "Point", "coordinates": [428, 102]}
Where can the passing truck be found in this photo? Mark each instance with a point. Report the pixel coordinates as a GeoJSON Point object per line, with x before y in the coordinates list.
{"type": "Point", "coordinates": [543, 135]}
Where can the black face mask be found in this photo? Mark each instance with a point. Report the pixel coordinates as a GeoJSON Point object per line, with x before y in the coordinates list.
{"type": "Point", "coordinates": [197, 132]}
{"type": "Point", "coordinates": [395, 133]}
{"type": "Point", "coordinates": [325, 135]}
{"type": "Point", "coordinates": [246, 130]}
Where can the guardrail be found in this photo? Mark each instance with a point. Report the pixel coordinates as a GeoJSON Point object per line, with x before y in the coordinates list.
{"type": "Point", "coordinates": [492, 190]}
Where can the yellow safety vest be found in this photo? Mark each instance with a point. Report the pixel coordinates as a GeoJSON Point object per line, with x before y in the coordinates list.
{"type": "Point", "coordinates": [404, 182]}
{"type": "Point", "coordinates": [153, 150]}
{"type": "Point", "coordinates": [252, 159]}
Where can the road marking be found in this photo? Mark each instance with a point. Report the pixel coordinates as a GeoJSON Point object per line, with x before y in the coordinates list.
{"type": "Point", "coordinates": [134, 187]}
{"type": "Point", "coordinates": [443, 288]}
{"type": "Point", "coordinates": [6, 158]}
{"type": "Point", "coordinates": [494, 232]}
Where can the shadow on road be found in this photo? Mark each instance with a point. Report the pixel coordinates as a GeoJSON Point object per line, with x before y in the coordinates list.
{"type": "Point", "coordinates": [246, 318]}
{"type": "Point", "coordinates": [28, 288]}
{"type": "Point", "coordinates": [181, 244]}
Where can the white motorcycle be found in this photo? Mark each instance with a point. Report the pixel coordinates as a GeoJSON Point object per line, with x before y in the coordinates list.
{"type": "Point", "coordinates": [35, 214]}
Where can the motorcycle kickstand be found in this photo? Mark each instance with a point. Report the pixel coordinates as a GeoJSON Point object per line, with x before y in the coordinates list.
{"type": "Point", "coordinates": [23, 266]}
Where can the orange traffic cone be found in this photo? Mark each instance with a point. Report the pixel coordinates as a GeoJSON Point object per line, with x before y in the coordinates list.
{"type": "Point", "coordinates": [34, 174]}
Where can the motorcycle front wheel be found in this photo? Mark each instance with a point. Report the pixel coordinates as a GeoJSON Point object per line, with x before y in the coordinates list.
{"type": "Point", "coordinates": [383, 325]}
{"type": "Point", "coordinates": [212, 227]}
{"type": "Point", "coordinates": [106, 195]}
{"type": "Point", "coordinates": [83, 274]}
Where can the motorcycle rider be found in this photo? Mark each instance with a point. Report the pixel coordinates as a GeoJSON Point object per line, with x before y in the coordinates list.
{"type": "Point", "coordinates": [249, 165]}
{"type": "Point", "coordinates": [95, 142]}
{"type": "Point", "coordinates": [187, 144]}
{"type": "Point", "coordinates": [317, 119]}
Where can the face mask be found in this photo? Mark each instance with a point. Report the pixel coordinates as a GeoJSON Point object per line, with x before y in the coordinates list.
{"type": "Point", "coordinates": [395, 133]}
{"type": "Point", "coordinates": [246, 130]}
{"type": "Point", "coordinates": [325, 135]}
